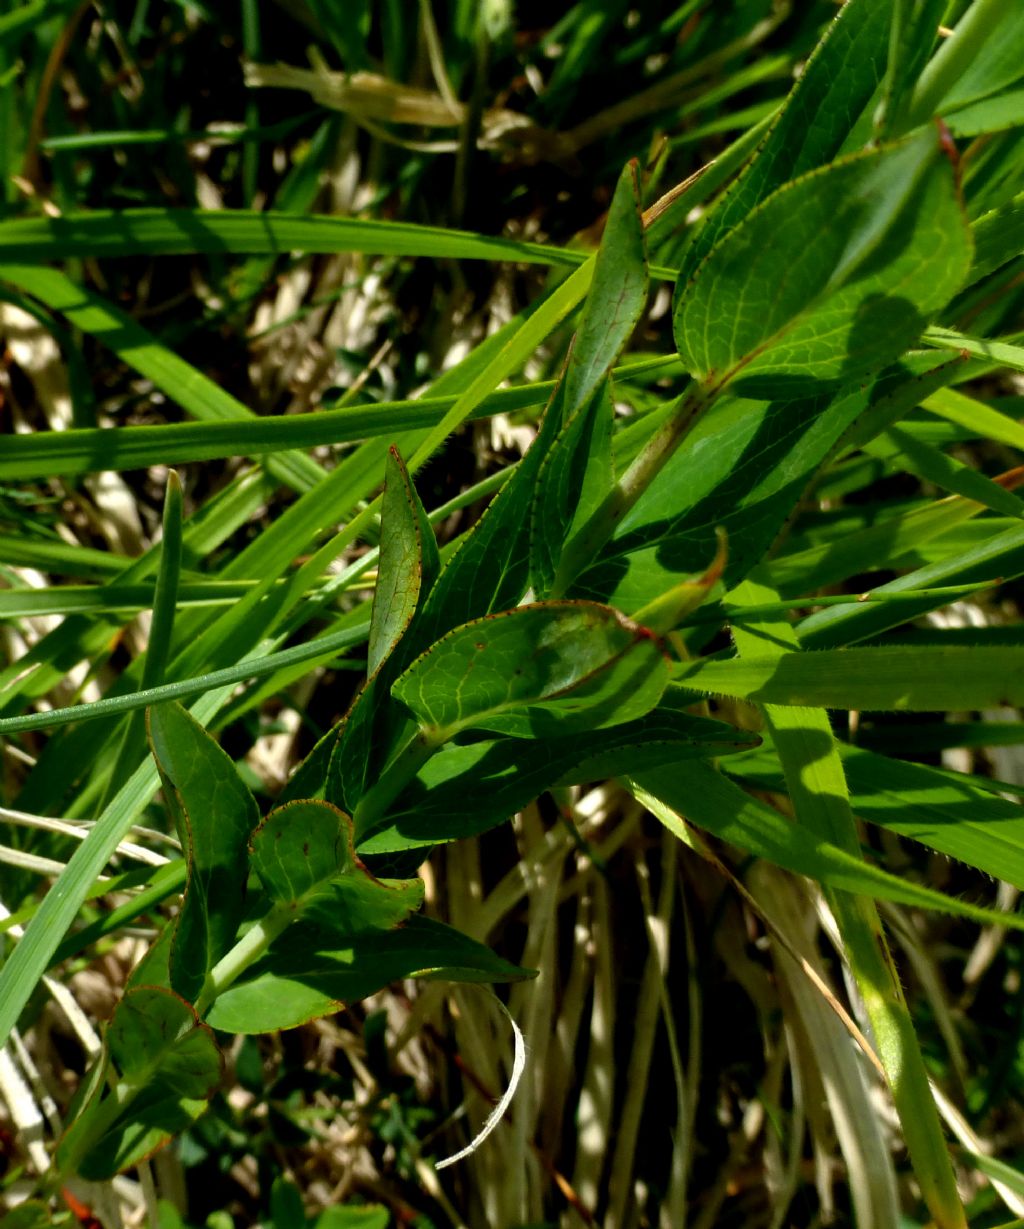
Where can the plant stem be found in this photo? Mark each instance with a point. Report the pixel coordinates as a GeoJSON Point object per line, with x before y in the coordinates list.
{"type": "Point", "coordinates": [249, 948]}
{"type": "Point", "coordinates": [121, 1095]}
{"type": "Point", "coordinates": [375, 802]}
{"type": "Point", "coordinates": [583, 547]}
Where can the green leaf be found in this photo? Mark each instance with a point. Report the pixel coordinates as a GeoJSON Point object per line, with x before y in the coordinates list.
{"type": "Point", "coordinates": [999, 557]}
{"type": "Point", "coordinates": [299, 846]}
{"type": "Point", "coordinates": [835, 85]}
{"type": "Point", "coordinates": [945, 812]}
{"type": "Point", "coordinates": [699, 793]}
{"type": "Point", "coordinates": [32, 1214]}
{"type": "Point", "coordinates": [251, 667]}
{"type": "Point", "coordinates": [568, 665]}
{"type": "Point", "coordinates": [311, 971]}
{"type": "Point", "coordinates": [304, 856]}
{"type": "Point", "coordinates": [215, 815]}
{"type": "Point", "coordinates": [830, 278]}
{"type": "Point", "coordinates": [742, 468]}
{"type": "Point", "coordinates": [170, 1066]}
{"type": "Point", "coordinates": [489, 569]}
{"type": "Point", "coordinates": [1001, 353]}
{"type": "Point", "coordinates": [980, 419]}
{"type": "Point", "coordinates": [174, 232]}
{"type": "Point", "coordinates": [136, 346]}
{"type": "Point", "coordinates": [617, 295]}
{"type": "Point", "coordinates": [897, 678]}
{"type": "Point", "coordinates": [882, 544]}
{"type": "Point", "coordinates": [370, 1216]}
{"type": "Point", "coordinates": [988, 115]}
{"type": "Point", "coordinates": [573, 478]}
{"type": "Point", "coordinates": [43, 454]}
{"type": "Point", "coordinates": [903, 449]}
{"type": "Point", "coordinates": [998, 62]}
{"type": "Point", "coordinates": [468, 788]}
{"type": "Point", "coordinates": [998, 238]}
{"type": "Point", "coordinates": [809, 755]}
{"type": "Point", "coordinates": [577, 472]}
{"type": "Point", "coordinates": [409, 563]}
{"type": "Point", "coordinates": [22, 970]}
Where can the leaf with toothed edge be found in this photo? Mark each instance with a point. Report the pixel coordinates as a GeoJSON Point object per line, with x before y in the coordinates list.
{"type": "Point", "coordinates": [568, 666]}
{"type": "Point", "coordinates": [831, 277]}
{"type": "Point", "coordinates": [304, 857]}
{"type": "Point", "coordinates": [409, 565]}
{"type": "Point", "coordinates": [311, 971]}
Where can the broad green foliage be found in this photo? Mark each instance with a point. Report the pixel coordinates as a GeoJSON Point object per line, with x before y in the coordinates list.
{"type": "Point", "coordinates": [776, 316]}
{"type": "Point", "coordinates": [538, 670]}
{"type": "Point", "coordinates": [643, 588]}
{"type": "Point", "coordinates": [315, 969]}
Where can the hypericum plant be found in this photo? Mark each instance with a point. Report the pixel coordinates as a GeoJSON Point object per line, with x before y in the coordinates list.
{"type": "Point", "coordinates": [561, 640]}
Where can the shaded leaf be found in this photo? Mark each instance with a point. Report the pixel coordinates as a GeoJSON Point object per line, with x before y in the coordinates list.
{"type": "Point", "coordinates": [214, 814]}
{"type": "Point", "coordinates": [999, 556]}
{"type": "Point", "coordinates": [574, 477]}
{"type": "Point", "coordinates": [466, 789]}
{"type": "Point", "coordinates": [945, 812]}
{"type": "Point", "coordinates": [311, 971]}
{"type": "Point", "coordinates": [744, 467]}
{"type": "Point", "coordinates": [741, 469]}
{"type": "Point", "coordinates": [831, 277]}
{"type": "Point", "coordinates": [409, 562]}
{"type": "Point", "coordinates": [170, 1066]}
{"type": "Point", "coordinates": [489, 570]}
{"type": "Point", "coordinates": [831, 92]}
{"type": "Point", "coordinates": [616, 297]}
{"type": "Point", "coordinates": [998, 238]}
{"type": "Point", "coordinates": [699, 793]}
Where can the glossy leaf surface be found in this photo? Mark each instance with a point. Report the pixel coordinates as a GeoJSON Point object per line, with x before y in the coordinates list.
{"type": "Point", "coordinates": [303, 855]}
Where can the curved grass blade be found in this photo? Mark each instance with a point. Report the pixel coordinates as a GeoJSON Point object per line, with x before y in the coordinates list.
{"type": "Point", "coordinates": [813, 769]}
{"type": "Point", "coordinates": [136, 346]}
